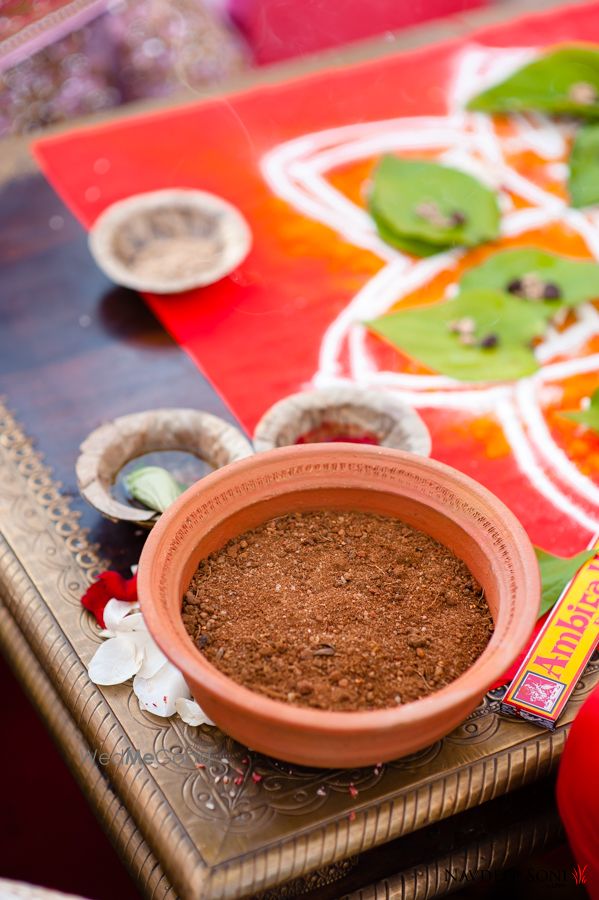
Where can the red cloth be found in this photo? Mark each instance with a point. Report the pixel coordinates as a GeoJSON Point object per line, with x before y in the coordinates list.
{"type": "Point", "coordinates": [257, 334]}
{"type": "Point", "coordinates": [578, 792]}
{"type": "Point", "coordinates": [276, 30]}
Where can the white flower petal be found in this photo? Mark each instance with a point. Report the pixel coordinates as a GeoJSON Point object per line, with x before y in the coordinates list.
{"type": "Point", "coordinates": [191, 712]}
{"type": "Point", "coordinates": [142, 641]}
{"type": "Point", "coordinates": [115, 611]}
{"type": "Point", "coordinates": [152, 656]}
{"type": "Point", "coordinates": [158, 693]}
{"type": "Point", "coordinates": [154, 659]}
{"type": "Point", "coordinates": [116, 660]}
{"type": "Point", "coordinates": [132, 622]}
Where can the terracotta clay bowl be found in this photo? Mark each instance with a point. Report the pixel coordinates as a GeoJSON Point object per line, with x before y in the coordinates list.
{"type": "Point", "coordinates": [426, 494]}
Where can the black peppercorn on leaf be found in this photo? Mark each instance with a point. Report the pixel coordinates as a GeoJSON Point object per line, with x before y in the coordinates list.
{"type": "Point", "coordinates": [566, 281]}
{"type": "Point", "coordinates": [432, 335]}
{"type": "Point", "coordinates": [421, 205]}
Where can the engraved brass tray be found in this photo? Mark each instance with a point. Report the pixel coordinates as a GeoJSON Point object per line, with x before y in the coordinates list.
{"type": "Point", "coordinates": [174, 820]}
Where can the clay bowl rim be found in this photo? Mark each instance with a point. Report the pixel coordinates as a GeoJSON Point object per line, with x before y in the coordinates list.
{"type": "Point", "coordinates": [238, 241]}
{"type": "Point", "coordinates": [497, 656]}
{"type": "Point", "coordinates": [288, 413]}
{"type": "Point", "coordinates": [149, 426]}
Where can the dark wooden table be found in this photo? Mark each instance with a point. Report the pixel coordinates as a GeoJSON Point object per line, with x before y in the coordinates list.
{"type": "Point", "coordinates": [75, 350]}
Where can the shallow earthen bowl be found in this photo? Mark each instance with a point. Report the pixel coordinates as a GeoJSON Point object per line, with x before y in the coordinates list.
{"type": "Point", "coordinates": [108, 448]}
{"type": "Point", "coordinates": [346, 410]}
{"type": "Point", "coordinates": [428, 495]}
{"type": "Point", "coordinates": [205, 225]}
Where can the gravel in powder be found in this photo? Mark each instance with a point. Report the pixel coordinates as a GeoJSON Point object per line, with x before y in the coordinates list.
{"type": "Point", "coordinates": [337, 610]}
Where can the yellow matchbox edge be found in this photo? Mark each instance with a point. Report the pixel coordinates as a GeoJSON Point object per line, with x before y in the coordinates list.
{"type": "Point", "coordinates": [556, 660]}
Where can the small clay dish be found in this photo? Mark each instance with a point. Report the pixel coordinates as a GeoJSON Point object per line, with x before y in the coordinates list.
{"type": "Point", "coordinates": [430, 496]}
{"type": "Point", "coordinates": [107, 450]}
{"type": "Point", "coordinates": [343, 413]}
{"type": "Point", "coordinates": [169, 241]}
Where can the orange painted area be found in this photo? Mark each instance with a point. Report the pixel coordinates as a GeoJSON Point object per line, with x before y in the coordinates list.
{"type": "Point", "coordinates": [487, 434]}
{"type": "Point", "coordinates": [580, 443]}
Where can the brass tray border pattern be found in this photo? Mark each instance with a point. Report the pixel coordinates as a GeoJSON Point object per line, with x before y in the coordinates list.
{"type": "Point", "coordinates": [45, 553]}
{"type": "Point", "coordinates": [45, 528]}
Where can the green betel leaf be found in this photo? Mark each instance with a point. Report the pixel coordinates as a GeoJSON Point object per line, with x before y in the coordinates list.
{"type": "Point", "coordinates": [583, 182]}
{"type": "Point", "coordinates": [153, 486]}
{"type": "Point", "coordinates": [405, 244]}
{"type": "Point", "coordinates": [424, 203]}
{"type": "Point", "coordinates": [576, 280]}
{"type": "Point", "coordinates": [556, 572]}
{"type": "Point", "coordinates": [426, 334]}
{"type": "Point", "coordinates": [563, 82]}
{"type": "Point", "coordinates": [589, 416]}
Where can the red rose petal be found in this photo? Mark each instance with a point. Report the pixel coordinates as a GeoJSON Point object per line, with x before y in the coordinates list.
{"type": "Point", "coordinates": [109, 586]}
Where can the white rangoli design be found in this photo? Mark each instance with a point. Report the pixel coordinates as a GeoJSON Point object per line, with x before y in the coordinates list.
{"type": "Point", "coordinates": [295, 171]}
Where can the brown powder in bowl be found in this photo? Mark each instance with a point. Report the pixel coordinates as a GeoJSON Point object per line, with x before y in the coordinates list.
{"type": "Point", "coordinates": [169, 242]}
{"type": "Point", "coordinates": [337, 610]}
